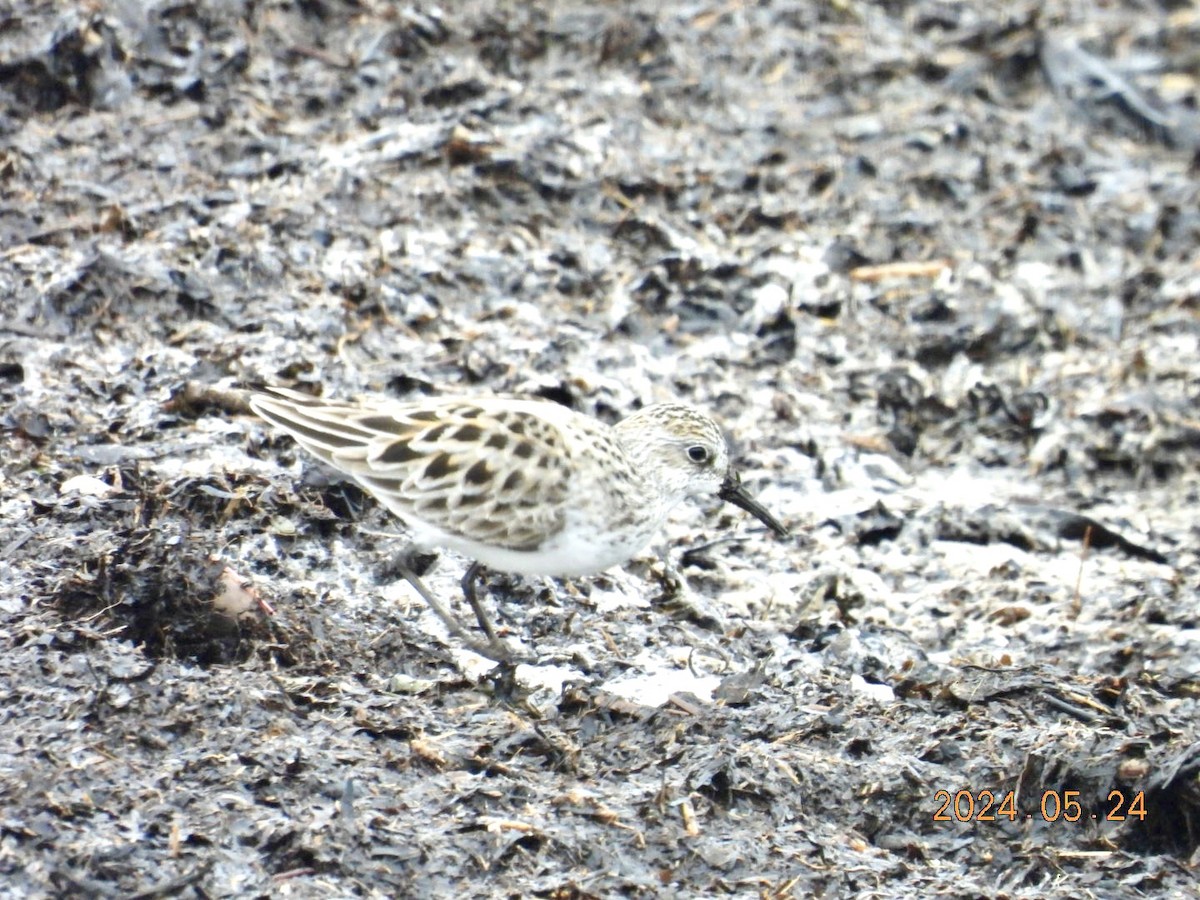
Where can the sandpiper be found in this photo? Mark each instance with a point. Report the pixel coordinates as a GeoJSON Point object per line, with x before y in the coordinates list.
{"type": "Point", "coordinates": [518, 485]}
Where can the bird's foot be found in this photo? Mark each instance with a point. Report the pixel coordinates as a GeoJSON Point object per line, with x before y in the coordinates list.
{"type": "Point", "coordinates": [681, 601]}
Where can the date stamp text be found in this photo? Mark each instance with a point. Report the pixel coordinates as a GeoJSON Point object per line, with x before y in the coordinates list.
{"type": "Point", "coordinates": [1055, 806]}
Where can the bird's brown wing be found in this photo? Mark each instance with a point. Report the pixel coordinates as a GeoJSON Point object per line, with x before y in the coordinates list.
{"type": "Point", "coordinates": [493, 472]}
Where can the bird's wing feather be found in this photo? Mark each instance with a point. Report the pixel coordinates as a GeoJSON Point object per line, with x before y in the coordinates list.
{"type": "Point", "coordinates": [497, 475]}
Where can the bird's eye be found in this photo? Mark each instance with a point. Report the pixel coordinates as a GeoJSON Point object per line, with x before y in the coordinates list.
{"type": "Point", "coordinates": [698, 454]}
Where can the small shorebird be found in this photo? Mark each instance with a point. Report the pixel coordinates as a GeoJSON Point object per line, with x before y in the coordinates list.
{"type": "Point", "coordinates": [518, 485]}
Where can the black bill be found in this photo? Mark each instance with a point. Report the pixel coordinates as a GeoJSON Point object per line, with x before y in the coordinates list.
{"type": "Point", "coordinates": [733, 492]}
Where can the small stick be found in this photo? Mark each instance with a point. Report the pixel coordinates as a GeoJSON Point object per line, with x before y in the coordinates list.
{"type": "Point", "coordinates": [1076, 601]}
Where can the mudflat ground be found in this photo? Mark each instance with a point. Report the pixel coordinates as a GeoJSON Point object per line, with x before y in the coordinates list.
{"type": "Point", "coordinates": [934, 267]}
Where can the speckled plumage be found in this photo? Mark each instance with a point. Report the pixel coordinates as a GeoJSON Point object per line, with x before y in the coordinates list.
{"type": "Point", "coordinates": [519, 485]}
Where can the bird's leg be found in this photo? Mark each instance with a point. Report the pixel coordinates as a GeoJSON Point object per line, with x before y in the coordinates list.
{"type": "Point", "coordinates": [493, 649]}
{"type": "Point", "coordinates": [468, 586]}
